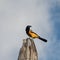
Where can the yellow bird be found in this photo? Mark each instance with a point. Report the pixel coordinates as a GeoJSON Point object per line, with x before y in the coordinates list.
{"type": "Point", "coordinates": [32, 34]}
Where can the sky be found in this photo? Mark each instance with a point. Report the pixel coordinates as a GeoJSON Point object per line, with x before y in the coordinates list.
{"type": "Point", "coordinates": [43, 15]}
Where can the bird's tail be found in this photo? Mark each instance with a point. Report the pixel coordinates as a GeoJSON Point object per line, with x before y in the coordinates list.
{"type": "Point", "coordinates": [43, 39]}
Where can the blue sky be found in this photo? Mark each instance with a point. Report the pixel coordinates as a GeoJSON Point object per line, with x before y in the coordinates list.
{"type": "Point", "coordinates": [43, 15]}
{"type": "Point", "coordinates": [55, 19]}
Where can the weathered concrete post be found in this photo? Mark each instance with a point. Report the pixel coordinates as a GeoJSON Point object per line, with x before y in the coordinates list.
{"type": "Point", "coordinates": [28, 50]}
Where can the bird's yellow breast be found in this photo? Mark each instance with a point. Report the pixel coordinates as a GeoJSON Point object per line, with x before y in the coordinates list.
{"type": "Point", "coordinates": [33, 35]}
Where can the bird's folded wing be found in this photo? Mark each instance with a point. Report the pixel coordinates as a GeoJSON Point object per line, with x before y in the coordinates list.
{"type": "Point", "coordinates": [33, 34]}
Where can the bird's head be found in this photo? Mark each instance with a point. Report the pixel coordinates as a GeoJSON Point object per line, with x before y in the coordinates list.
{"type": "Point", "coordinates": [28, 27]}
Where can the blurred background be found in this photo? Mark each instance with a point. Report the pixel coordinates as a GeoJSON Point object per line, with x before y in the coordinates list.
{"type": "Point", "coordinates": [43, 15]}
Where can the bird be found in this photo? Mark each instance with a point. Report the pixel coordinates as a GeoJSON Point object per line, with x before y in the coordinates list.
{"type": "Point", "coordinates": [32, 34]}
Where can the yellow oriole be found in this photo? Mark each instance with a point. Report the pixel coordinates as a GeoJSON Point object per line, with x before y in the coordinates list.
{"type": "Point", "coordinates": [32, 34]}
